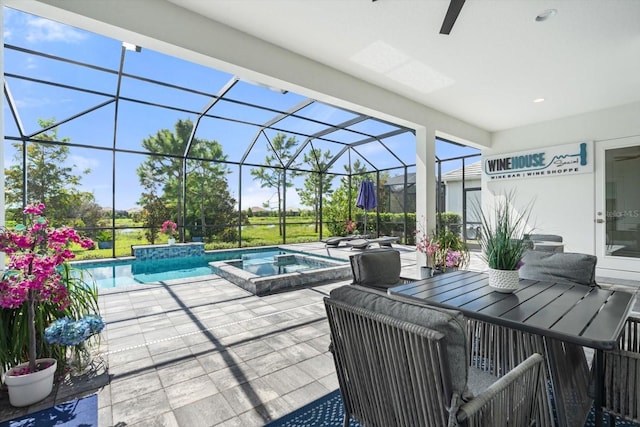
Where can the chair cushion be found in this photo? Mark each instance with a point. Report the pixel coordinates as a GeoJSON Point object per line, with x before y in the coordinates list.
{"type": "Point", "coordinates": [333, 241]}
{"type": "Point", "coordinates": [336, 240]}
{"type": "Point", "coordinates": [359, 243]}
{"type": "Point", "coordinates": [448, 322]}
{"type": "Point", "coordinates": [564, 267]}
{"type": "Point", "coordinates": [377, 267]}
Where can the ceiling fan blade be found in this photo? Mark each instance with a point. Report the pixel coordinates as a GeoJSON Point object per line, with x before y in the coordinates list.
{"type": "Point", "coordinates": [452, 14]}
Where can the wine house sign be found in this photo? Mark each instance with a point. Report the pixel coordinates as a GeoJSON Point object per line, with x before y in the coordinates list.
{"type": "Point", "coordinates": [569, 159]}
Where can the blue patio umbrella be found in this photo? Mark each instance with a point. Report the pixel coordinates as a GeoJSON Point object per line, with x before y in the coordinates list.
{"type": "Point", "coordinates": [367, 199]}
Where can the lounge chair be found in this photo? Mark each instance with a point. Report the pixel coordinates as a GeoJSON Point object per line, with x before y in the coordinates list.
{"type": "Point", "coordinates": [364, 243]}
{"type": "Point", "coordinates": [336, 240]}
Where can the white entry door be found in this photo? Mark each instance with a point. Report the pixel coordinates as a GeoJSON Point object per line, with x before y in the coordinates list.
{"type": "Point", "coordinates": [618, 208]}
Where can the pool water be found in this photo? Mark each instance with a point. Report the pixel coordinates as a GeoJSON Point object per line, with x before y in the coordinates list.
{"type": "Point", "coordinates": [117, 273]}
{"type": "Point", "coordinates": [271, 263]}
{"type": "Point", "coordinates": [114, 274]}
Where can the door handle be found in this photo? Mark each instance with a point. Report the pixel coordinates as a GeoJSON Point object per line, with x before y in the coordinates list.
{"type": "Point", "coordinates": [600, 220]}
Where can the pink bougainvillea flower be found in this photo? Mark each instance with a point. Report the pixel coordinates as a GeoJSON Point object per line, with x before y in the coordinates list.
{"type": "Point", "coordinates": [34, 209]}
{"type": "Point", "coordinates": [350, 226]}
{"type": "Point", "coordinates": [35, 252]}
{"type": "Point", "coordinates": [169, 228]}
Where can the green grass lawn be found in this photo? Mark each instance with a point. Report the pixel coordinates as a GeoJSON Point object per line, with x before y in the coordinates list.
{"type": "Point", "coordinates": [262, 231]}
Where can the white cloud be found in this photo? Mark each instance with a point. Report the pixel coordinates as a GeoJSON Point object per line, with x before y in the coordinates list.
{"type": "Point", "coordinates": [83, 163]}
{"type": "Point", "coordinates": [31, 63]}
{"type": "Point", "coordinates": [31, 102]}
{"type": "Point", "coordinates": [9, 20]}
{"type": "Point", "coordinates": [254, 195]}
{"type": "Point", "coordinates": [43, 30]}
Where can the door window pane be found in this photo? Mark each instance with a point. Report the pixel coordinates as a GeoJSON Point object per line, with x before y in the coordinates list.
{"type": "Point", "coordinates": [622, 193]}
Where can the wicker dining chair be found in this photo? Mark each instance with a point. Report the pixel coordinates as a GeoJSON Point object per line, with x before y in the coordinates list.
{"type": "Point", "coordinates": [622, 374]}
{"type": "Point", "coordinates": [377, 268]}
{"type": "Point", "coordinates": [403, 364]}
{"type": "Point", "coordinates": [566, 267]}
{"type": "Point", "coordinates": [497, 348]}
{"type": "Point", "coordinates": [545, 238]}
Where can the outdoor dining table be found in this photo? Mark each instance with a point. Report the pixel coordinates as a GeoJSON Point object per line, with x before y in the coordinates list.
{"type": "Point", "coordinates": [576, 314]}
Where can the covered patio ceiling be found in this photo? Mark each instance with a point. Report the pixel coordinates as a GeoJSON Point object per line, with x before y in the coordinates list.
{"type": "Point", "coordinates": [496, 61]}
{"type": "Point", "coordinates": [481, 78]}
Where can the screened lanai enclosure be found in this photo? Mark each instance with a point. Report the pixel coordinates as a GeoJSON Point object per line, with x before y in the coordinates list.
{"type": "Point", "coordinates": [115, 139]}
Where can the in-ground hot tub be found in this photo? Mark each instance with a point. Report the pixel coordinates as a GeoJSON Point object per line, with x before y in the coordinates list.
{"type": "Point", "coordinates": [267, 272]}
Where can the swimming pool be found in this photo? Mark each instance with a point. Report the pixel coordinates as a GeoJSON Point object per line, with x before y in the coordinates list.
{"type": "Point", "coordinates": [125, 272]}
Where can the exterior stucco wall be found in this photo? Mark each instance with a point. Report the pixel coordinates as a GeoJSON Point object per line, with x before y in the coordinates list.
{"type": "Point", "coordinates": [564, 205]}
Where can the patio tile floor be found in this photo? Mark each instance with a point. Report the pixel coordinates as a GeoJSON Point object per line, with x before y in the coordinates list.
{"type": "Point", "coordinates": [204, 352]}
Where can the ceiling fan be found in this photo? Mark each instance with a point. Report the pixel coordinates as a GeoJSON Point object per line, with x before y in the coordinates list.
{"type": "Point", "coordinates": [452, 14]}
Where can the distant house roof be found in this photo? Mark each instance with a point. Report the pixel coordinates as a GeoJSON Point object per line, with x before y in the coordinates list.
{"type": "Point", "coordinates": [258, 209]}
{"type": "Point", "coordinates": [471, 171]}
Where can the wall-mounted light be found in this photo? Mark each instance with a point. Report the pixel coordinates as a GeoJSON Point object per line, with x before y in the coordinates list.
{"type": "Point", "coordinates": [132, 47]}
{"type": "Point", "coordinates": [266, 86]}
{"type": "Point", "coordinates": [538, 100]}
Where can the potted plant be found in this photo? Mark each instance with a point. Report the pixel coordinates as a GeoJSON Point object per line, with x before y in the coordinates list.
{"type": "Point", "coordinates": [169, 228]}
{"type": "Point", "coordinates": [451, 252]}
{"type": "Point", "coordinates": [425, 246]}
{"type": "Point", "coordinates": [502, 242]}
{"type": "Point", "coordinates": [74, 334]}
{"type": "Point", "coordinates": [350, 227]}
{"type": "Point", "coordinates": [444, 250]}
{"type": "Point", "coordinates": [34, 277]}
{"type": "Point", "coordinates": [104, 239]}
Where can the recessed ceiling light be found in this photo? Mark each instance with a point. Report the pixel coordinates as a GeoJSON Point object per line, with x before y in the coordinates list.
{"type": "Point", "coordinates": [549, 13]}
{"type": "Point", "coordinates": [538, 100]}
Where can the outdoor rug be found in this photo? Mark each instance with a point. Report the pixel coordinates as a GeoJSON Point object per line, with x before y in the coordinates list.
{"type": "Point", "coordinates": [75, 413]}
{"type": "Point", "coordinates": [328, 411]}
{"type": "Point", "coordinates": [325, 411]}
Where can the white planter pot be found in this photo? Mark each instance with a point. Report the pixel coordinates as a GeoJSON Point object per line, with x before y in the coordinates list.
{"type": "Point", "coordinates": [28, 389]}
{"type": "Point", "coordinates": [505, 281]}
{"type": "Point", "coordinates": [426, 272]}
{"type": "Point", "coordinates": [171, 241]}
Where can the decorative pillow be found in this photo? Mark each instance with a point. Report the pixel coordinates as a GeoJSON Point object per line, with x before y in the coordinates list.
{"type": "Point", "coordinates": [565, 267]}
{"type": "Point", "coordinates": [448, 322]}
{"type": "Point", "coordinates": [378, 268]}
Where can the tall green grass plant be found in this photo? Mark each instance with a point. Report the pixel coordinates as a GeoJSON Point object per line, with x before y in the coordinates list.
{"type": "Point", "coordinates": [502, 233]}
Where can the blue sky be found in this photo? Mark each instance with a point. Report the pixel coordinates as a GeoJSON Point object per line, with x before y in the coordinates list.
{"type": "Point", "coordinates": [136, 121]}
